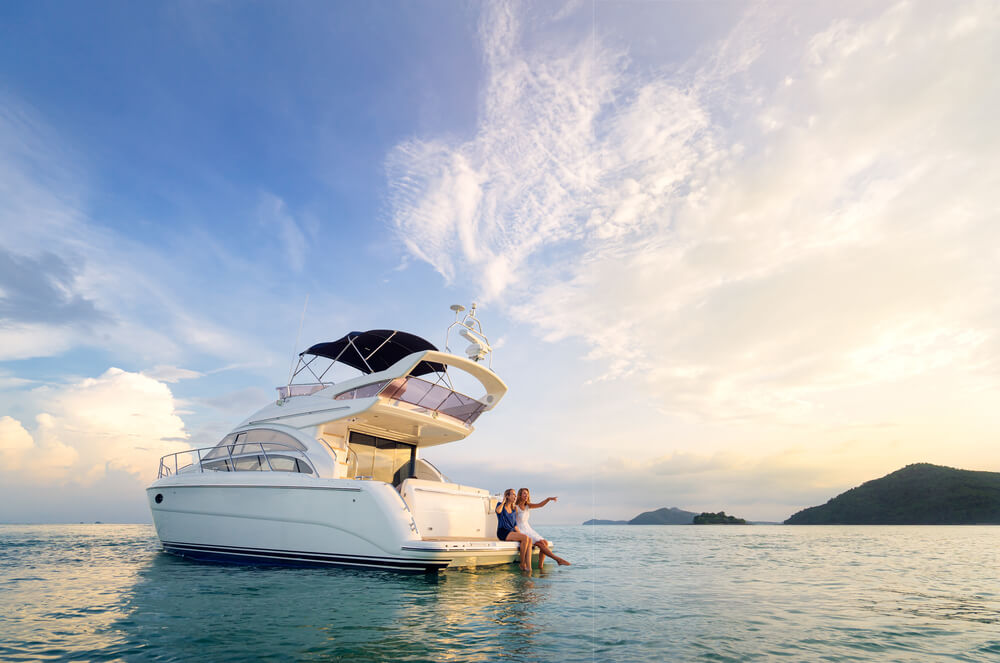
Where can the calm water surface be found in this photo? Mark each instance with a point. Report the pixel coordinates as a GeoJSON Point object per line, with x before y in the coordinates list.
{"type": "Point", "coordinates": [105, 592]}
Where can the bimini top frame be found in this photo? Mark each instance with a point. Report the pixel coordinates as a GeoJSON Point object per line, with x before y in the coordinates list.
{"type": "Point", "coordinates": [371, 351]}
{"type": "Point", "coordinates": [384, 352]}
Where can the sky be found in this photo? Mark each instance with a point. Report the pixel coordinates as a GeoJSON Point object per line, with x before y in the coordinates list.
{"type": "Point", "coordinates": [733, 256]}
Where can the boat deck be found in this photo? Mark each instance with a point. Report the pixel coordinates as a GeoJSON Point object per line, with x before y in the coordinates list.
{"type": "Point", "coordinates": [460, 538]}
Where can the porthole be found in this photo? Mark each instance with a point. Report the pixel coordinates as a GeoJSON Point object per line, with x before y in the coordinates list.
{"type": "Point", "coordinates": [158, 498]}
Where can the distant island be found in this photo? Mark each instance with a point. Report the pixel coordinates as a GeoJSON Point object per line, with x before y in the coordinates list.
{"type": "Point", "coordinates": [664, 516]}
{"type": "Point", "coordinates": [717, 519]}
{"type": "Point", "coordinates": [918, 494]}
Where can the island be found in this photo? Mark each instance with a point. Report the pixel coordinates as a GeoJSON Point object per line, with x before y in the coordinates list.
{"type": "Point", "coordinates": [665, 516]}
{"type": "Point", "coordinates": [918, 494]}
{"type": "Point", "coordinates": [717, 519]}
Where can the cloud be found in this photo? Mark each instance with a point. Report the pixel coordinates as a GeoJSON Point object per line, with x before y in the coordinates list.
{"type": "Point", "coordinates": [119, 421]}
{"type": "Point", "coordinates": [274, 215]}
{"type": "Point", "coordinates": [240, 402]}
{"type": "Point", "coordinates": [68, 280]}
{"type": "Point", "coordinates": [41, 290]}
{"type": "Point", "coordinates": [9, 381]}
{"type": "Point", "coordinates": [22, 341]}
{"type": "Point", "coordinates": [25, 458]}
{"type": "Point", "coordinates": [172, 374]}
{"type": "Point", "coordinates": [747, 239]}
{"type": "Point", "coordinates": [42, 311]}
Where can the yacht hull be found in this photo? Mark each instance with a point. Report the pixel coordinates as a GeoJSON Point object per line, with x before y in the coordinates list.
{"type": "Point", "coordinates": [299, 520]}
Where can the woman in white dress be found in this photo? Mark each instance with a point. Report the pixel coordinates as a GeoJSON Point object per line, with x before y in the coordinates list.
{"type": "Point", "coordinates": [524, 507]}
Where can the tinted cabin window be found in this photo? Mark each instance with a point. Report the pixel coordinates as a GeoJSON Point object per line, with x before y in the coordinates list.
{"type": "Point", "coordinates": [272, 440]}
{"type": "Point", "coordinates": [381, 459]}
{"type": "Point", "coordinates": [286, 464]}
{"type": "Point", "coordinates": [248, 442]}
{"type": "Point", "coordinates": [250, 463]}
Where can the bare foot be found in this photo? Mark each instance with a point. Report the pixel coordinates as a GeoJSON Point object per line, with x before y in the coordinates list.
{"type": "Point", "coordinates": [563, 562]}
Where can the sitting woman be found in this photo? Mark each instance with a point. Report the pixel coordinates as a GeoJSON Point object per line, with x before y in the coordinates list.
{"type": "Point", "coordinates": [523, 507]}
{"type": "Point", "coordinates": [507, 527]}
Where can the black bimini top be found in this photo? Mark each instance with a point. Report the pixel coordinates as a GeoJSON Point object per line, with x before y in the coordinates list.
{"type": "Point", "coordinates": [376, 350]}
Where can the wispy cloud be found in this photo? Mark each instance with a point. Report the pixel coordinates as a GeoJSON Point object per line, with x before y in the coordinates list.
{"type": "Point", "coordinates": [69, 281]}
{"type": "Point", "coordinates": [172, 373]}
{"type": "Point", "coordinates": [749, 241]}
{"type": "Point", "coordinates": [41, 289]}
{"type": "Point", "coordinates": [275, 217]}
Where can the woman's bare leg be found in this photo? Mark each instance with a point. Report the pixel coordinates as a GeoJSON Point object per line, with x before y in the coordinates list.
{"type": "Point", "coordinates": [525, 548]}
{"type": "Point", "coordinates": [543, 549]}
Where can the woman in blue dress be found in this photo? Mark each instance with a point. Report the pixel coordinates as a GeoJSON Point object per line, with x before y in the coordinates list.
{"type": "Point", "coordinates": [507, 527]}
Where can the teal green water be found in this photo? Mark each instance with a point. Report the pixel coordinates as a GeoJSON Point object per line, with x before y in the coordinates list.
{"type": "Point", "coordinates": [106, 592]}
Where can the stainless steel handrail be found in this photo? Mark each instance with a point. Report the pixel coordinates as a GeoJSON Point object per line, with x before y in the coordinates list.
{"type": "Point", "coordinates": [282, 449]}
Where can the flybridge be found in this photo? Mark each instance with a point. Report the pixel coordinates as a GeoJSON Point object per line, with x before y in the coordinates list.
{"type": "Point", "coordinates": [403, 369]}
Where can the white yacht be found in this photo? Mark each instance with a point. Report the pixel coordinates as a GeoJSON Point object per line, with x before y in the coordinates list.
{"type": "Point", "coordinates": [332, 472]}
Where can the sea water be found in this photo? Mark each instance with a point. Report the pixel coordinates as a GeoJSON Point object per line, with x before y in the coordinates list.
{"type": "Point", "coordinates": [656, 593]}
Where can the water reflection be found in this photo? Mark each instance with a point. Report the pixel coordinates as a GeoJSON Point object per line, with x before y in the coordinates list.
{"type": "Point", "coordinates": [233, 612]}
{"type": "Point", "coordinates": [838, 593]}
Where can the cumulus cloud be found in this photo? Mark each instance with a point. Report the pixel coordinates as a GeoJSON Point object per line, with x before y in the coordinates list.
{"type": "Point", "coordinates": [117, 422]}
{"type": "Point", "coordinates": [747, 241]}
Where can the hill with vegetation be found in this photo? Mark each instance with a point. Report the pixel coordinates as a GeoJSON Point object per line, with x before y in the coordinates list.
{"type": "Point", "coordinates": [717, 519]}
{"type": "Point", "coordinates": [919, 494]}
{"type": "Point", "coordinates": [664, 516]}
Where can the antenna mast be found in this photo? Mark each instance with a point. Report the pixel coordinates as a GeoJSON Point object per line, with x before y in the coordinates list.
{"type": "Point", "coordinates": [471, 330]}
{"type": "Point", "coordinates": [298, 334]}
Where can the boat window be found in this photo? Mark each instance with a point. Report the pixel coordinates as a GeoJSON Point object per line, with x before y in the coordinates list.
{"type": "Point", "coordinates": [434, 396]}
{"type": "Point", "coordinates": [424, 470]}
{"type": "Point", "coordinates": [250, 441]}
{"type": "Point", "coordinates": [364, 391]}
{"type": "Point", "coordinates": [217, 465]}
{"type": "Point", "coordinates": [286, 464]}
{"type": "Point", "coordinates": [381, 459]}
{"type": "Point", "coordinates": [258, 463]}
{"type": "Point", "coordinates": [250, 464]}
{"type": "Point", "coordinates": [251, 451]}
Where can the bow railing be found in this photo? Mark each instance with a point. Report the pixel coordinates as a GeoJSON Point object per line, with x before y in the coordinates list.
{"type": "Point", "coordinates": [237, 457]}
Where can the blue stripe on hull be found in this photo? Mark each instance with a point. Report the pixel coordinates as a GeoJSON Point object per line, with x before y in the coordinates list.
{"type": "Point", "coordinates": [255, 556]}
